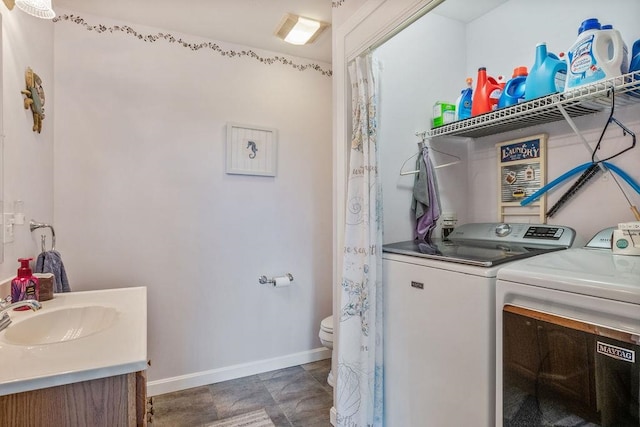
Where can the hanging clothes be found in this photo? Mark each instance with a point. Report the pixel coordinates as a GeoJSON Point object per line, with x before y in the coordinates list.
{"type": "Point", "coordinates": [51, 262]}
{"type": "Point", "coordinates": [426, 201]}
{"type": "Point", "coordinates": [360, 369]}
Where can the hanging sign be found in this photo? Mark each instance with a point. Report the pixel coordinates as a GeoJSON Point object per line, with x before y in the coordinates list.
{"type": "Point", "coordinates": [521, 172]}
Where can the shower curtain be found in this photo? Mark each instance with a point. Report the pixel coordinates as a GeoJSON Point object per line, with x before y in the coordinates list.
{"type": "Point", "coordinates": [359, 383]}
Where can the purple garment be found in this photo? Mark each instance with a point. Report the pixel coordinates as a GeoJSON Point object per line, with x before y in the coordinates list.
{"type": "Point", "coordinates": [426, 201]}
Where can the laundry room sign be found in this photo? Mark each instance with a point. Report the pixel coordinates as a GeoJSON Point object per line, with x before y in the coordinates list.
{"type": "Point", "coordinates": [521, 172]}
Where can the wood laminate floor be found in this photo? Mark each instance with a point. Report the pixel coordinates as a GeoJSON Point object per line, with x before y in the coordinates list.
{"type": "Point", "coordinates": [293, 397]}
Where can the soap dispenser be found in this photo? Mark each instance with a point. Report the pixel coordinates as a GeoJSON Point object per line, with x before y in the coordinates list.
{"type": "Point", "coordinates": [24, 286]}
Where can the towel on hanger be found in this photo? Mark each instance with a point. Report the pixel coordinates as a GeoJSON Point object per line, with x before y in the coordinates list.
{"type": "Point", "coordinates": [51, 262]}
{"type": "Point", "coordinates": [425, 202]}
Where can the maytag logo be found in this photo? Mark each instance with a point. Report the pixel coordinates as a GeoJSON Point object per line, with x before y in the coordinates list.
{"type": "Point", "coordinates": [417, 285]}
{"type": "Point", "coordinates": [616, 352]}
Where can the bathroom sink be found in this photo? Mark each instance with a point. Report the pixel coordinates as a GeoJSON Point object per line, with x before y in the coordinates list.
{"type": "Point", "coordinates": [76, 336]}
{"type": "Point", "coordinates": [61, 325]}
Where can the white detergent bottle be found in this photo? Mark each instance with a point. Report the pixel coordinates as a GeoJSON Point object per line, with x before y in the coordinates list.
{"type": "Point", "coordinates": [596, 55]}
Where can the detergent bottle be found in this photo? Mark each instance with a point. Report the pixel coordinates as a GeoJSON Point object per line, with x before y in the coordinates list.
{"type": "Point", "coordinates": [485, 97]}
{"type": "Point", "coordinates": [547, 75]}
{"type": "Point", "coordinates": [514, 89]}
{"type": "Point", "coordinates": [634, 65]}
{"type": "Point", "coordinates": [463, 103]}
{"type": "Point", "coordinates": [596, 55]}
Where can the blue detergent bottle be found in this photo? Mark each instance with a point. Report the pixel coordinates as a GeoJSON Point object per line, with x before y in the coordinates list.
{"type": "Point", "coordinates": [514, 90]}
{"type": "Point", "coordinates": [634, 67]}
{"type": "Point", "coordinates": [547, 75]}
{"type": "Point", "coordinates": [463, 103]}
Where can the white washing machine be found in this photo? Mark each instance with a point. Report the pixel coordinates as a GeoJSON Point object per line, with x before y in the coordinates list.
{"type": "Point", "coordinates": [439, 321]}
{"type": "Point", "coordinates": [568, 339]}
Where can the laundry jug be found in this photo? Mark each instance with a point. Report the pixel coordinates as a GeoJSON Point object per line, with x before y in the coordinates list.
{"type": "Point", "coordinates": [596, 55]}
{"type": "Point", "coordinates": [514, 89]}
{"type": "Point", "coordinates": [463, 103]}
{"type": "Point", "coordinates": [634, 67]}
{"type": "Point", "coordinates": [486, 95]}
{"type": "Point", "coordinates": [547, 75]}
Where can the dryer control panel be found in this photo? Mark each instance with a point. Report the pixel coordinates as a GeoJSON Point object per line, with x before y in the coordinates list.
{"type": "Point", "coordinates": [626, 239]}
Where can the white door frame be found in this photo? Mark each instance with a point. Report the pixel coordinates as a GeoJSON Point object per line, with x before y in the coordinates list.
{"type": "Point", "coordinates": [370, 26]}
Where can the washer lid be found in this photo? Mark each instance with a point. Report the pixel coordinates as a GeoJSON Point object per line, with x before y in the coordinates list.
{"type": "Point", "coordinates": [595, 272]}
{"type": "Point", "coordinates": [487, 244]}
{"type": "Point", "coordinates": [478, 253]}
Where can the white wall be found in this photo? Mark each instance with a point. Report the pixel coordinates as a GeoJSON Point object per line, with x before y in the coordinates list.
{"type": "Point", "coordinates": [489, 41]}
{"type": "Point", "coordinates": [28, 156]}
{"type": "Point", "coordinates": [411, 66]}
{"type": "Point", "coordinates": [142, 198]}
{"type": "Point", "coordinates": [600, 204]}
{"type": "Point", "coordinates": [342, 10]}
{"type": "Point", "coordinates": [507, 36]}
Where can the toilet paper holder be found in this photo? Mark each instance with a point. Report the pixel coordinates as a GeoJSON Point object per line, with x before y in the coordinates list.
{"type": "Point", "coordinates": [264, 280]}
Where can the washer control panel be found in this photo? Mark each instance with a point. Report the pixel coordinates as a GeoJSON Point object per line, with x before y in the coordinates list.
{"type": "Point", "coordinates": [553, 233]}
{"type": "Point", "coordinates": [542, 234]}
{"type": "Point", "coordinates": [503, 230]}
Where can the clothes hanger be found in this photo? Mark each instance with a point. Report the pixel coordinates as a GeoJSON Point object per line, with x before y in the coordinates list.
{"type": "Point", "coordinates": [594, 168]}
{"type": "Point", "coordinates": [421, 145]}
{"type": "Point", "coordinates": [625, 131]}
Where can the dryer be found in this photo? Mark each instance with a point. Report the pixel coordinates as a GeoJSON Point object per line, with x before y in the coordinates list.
{"type": "Point", "coordinates": [568, 339]}
{"type": "Point", "coordinates": [439, 320]}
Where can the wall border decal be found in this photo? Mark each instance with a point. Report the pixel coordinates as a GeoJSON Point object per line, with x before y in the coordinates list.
{"type": "Point", "coordinates": [151, 38]}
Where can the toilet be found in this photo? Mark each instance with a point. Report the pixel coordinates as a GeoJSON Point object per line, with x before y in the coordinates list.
{"type": "Point", "coordinates": [326, 338]}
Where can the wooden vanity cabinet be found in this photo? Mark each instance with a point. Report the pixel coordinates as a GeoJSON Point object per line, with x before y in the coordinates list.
{"type": "Point", "coordinates": [105, 402]}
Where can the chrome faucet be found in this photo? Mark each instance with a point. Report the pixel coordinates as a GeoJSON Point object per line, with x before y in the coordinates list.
{"type": "Point", "coordinates": [6, 306]}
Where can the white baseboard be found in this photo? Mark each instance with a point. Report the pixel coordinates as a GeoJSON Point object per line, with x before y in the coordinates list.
{"type": "Point", "coordinates": [332, 416]}
{"type": "Point", "coordinates": [212, 376]}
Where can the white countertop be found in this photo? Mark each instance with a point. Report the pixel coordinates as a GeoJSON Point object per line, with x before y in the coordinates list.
{"type": "Point", "coordinates": [117, 350]}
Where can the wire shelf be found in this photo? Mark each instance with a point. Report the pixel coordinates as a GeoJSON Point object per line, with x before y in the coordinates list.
{"type": "Point", "coordinates": [577, 102]}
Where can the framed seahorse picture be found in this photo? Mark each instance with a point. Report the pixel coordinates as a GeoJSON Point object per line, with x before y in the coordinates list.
{"type": "Point", "coordinates": [251, 150]}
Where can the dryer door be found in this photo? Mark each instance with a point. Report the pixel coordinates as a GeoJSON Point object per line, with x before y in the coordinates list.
{"type": "Point", "coordinates": [558, 370]}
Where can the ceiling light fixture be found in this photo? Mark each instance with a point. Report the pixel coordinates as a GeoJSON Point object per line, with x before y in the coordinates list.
{"type": "Point", "coordinates": [38, 8]}
{"type": "Point", "coordinates": [298, 30]}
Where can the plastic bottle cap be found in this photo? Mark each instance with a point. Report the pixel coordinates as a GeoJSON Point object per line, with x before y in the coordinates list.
{"type": "Point", "coordinates": [520, 71]}
{"type": "Point", "coordinates": [24, 270]}
{"type": "Point", "coordinates": [589, 24]}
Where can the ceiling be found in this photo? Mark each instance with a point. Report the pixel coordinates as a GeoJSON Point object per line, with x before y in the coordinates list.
{"type": "Point", "coordinates": [250, 23]}
{"type": "Point", "coordinates": [465, 10]}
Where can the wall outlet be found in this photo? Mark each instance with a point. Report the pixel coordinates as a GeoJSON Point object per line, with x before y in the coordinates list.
{"type": "Point", "coordinates": [8, 235]}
